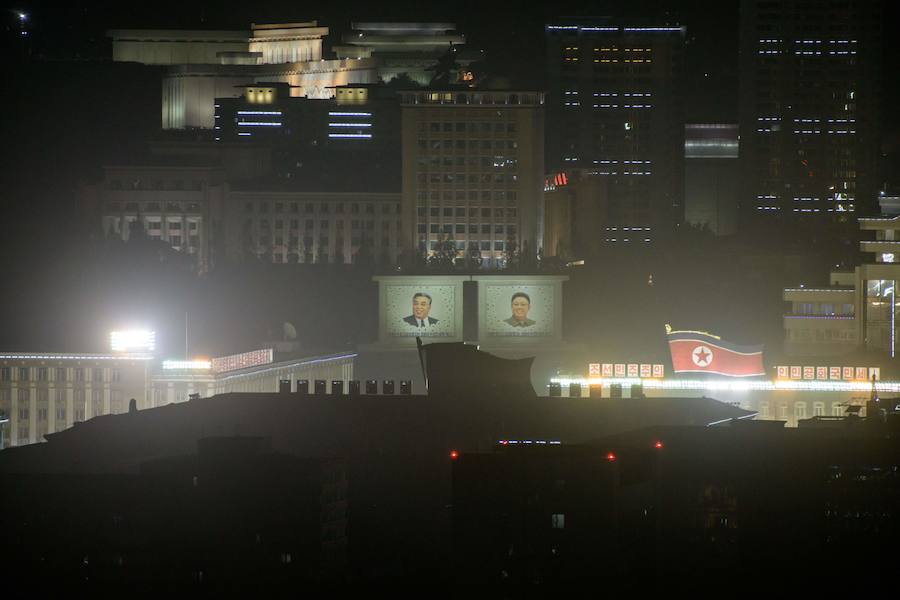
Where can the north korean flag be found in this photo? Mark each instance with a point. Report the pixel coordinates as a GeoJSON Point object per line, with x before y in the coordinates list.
{"type": "Point", "coordinates": [698, 352]}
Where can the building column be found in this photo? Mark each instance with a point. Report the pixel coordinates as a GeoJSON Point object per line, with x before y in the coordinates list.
{"type": "Point", "coordinates": [107, 408]}
{"type": "Point", "coordinates": [170, 393]}
{"type": "Point", "coordinates": [70, 406]}
{"type": "Point", "coordinates": [88, 401]}
{"type": "Point", "coordinates": [14, 416]}
{"type": "Point", "coordinates": [32, 413]}
{"type": "Point", "coordinates": [347, 371]}
{"type": "Point", "coordinates": [148, 390]}
{"type": "Point", "coordinates": [51, 409]}
{"type": "Point", "coordinates": [893, 324]}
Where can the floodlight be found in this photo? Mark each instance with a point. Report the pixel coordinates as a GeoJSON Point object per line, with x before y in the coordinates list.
{"type": "Point", "coordinates": [133, 340]}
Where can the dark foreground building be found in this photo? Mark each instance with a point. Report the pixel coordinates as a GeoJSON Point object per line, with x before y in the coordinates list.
{"type": "Point", "coordinates": [199, 481]}
{"type": "Point", "coordinates": [232, 513]}
{"type": "Point", "coordinates": [752, 501]}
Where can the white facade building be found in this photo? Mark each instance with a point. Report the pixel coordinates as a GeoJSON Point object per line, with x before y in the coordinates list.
{"type": "Point", "coordinates": [43, 393]}
{"type": "Point", "coordinates": [313, 227]}
{"type": "Point", "coordinates": [178, 205]}
{"type": "Point", "coordinates": [473, 170]}
{"type": "Point", "coordinates": [858, 311]}
{"type": "Point", "coordinates": [205, 65]}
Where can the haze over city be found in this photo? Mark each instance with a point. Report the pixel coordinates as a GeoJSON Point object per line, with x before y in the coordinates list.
{"type": "Point", "coordinates": [519, 277]}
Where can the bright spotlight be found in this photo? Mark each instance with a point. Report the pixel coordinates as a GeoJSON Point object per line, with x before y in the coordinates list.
{"type": "Point", "coordinates": [135, 340]}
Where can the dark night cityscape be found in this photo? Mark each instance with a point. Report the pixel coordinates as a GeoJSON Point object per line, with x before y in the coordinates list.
{"type": "Point", "coordinates": [449, 294]}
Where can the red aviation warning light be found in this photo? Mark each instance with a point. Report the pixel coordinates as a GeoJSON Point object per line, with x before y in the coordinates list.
{"type": "Point", "coordinates": [454, 455]}
{"type": "Point", "coordinates": [611, 456]}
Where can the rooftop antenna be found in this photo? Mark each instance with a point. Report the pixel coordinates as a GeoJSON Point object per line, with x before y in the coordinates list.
{"type": "Point", "coordinates": [421, 348]}
{"type": "Point", "coordinates": [874, 396]}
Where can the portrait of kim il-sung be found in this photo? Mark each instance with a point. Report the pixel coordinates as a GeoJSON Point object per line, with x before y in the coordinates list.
{"type": "Point", "coordinates": [421, 306]}
{"type": "Point", "coordinates": [520, 304]}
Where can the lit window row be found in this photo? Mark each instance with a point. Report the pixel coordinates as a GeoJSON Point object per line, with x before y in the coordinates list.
{"type": "Point", "coordinates": [615, 162]}
{"type": "Point", "coordinates": [611, 29]}
{"type": "Point", "coordinates": [819, 131]}
{"type": "Point", "coordinates": [616, 49]}
{"type": "Point", "coordinates": [622, 173]}
{"type": "Point", "coordinates": [824, 41]}
{"type": "Point", "coordinates": [819, 52]}
{"type": "Point", "coordinates": [623, 106]}
{"type": "Point", "coordinates": [654, 29]}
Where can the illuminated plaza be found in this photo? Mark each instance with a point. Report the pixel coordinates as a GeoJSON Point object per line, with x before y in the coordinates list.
{"type": "Point", "coordinates": [778, 400]}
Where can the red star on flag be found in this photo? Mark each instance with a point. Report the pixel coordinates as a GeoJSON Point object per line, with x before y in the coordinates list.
{"type": "Point", "coordinates": [702, 356]}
